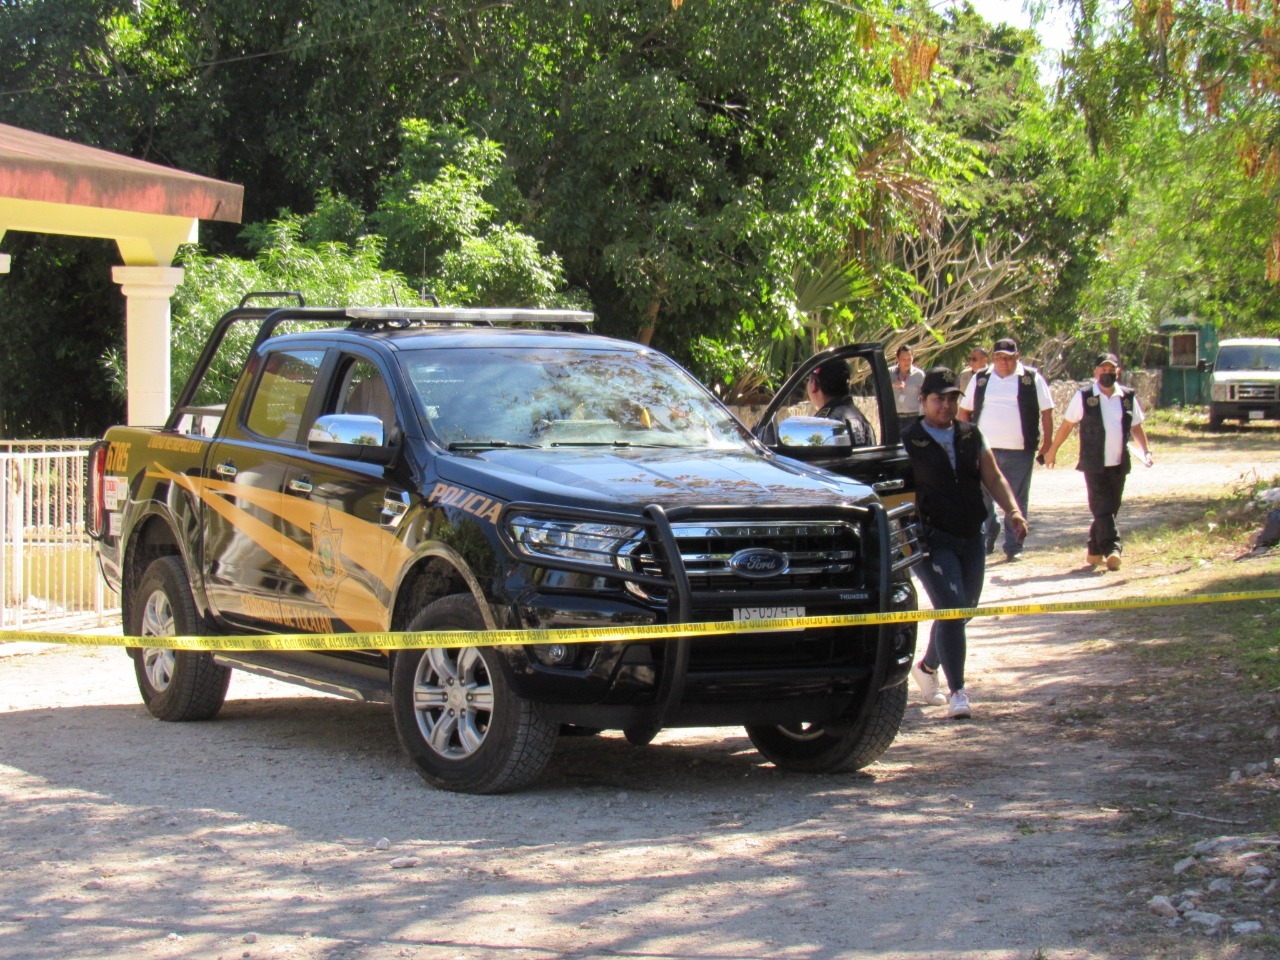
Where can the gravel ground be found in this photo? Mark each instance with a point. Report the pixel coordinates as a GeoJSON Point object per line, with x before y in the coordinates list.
{"type": "Point", "coordinates": [293, 827]}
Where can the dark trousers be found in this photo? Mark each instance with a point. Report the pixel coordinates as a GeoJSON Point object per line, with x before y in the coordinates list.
{"type": "Point", "coordinates": [1106, 490]}
{"type": "Point", "coordinates": [1016, 465]}
{"type": "Point", "coordinates": [952, 574]}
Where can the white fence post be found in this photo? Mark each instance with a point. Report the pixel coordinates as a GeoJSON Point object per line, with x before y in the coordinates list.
{"type": "Point", "coordinates": [48, 564]}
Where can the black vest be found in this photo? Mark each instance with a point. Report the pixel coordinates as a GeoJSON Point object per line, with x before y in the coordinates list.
{"type": "Point", "coordinates": [948, 499]}
{"type": "Point", "coordinates": [1093, 433]}
{"type": "Point", "coordinates": [1028, 404]}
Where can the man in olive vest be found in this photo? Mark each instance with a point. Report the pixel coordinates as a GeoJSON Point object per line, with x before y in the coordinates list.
{"type": "Point", "coordinates": [1011, 404]}
{"type": "Point", "coordinates": [1109, 418]}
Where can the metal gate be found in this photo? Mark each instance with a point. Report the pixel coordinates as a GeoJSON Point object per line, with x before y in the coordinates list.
{"type": "Point", "coordinates": [48, 569]}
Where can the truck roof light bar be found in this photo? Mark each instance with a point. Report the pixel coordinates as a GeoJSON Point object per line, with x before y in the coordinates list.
{"type": "Point", "coordinates": [484, 317]}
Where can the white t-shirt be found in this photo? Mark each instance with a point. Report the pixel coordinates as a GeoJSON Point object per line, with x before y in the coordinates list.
{"type": "Point", "coordinates": [1001, 419]}
{"type": "Point", "coordinates": [1112, 420]}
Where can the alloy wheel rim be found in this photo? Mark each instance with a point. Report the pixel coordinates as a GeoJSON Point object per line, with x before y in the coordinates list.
{"type": "Point", "coordinates": [453, 701]}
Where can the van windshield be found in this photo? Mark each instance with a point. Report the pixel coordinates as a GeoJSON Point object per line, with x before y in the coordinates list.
{"type": "Point", "coordinates": [1248, 356]}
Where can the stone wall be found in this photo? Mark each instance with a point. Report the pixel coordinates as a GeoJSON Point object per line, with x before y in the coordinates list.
{"type": "Point", "coordinates": [1145, 382]}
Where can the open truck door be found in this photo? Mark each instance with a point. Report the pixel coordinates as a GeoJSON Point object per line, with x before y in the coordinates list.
{"type": "Point", "coordinates": [789, 429]}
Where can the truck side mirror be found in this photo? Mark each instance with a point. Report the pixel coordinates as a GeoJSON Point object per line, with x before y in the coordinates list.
{"type": "Point", "coordinates": [1204, 366]}
{"type": "Point", "coordinates": [350, 436]}
{"type": "Point", "coordinates": [813, 432]}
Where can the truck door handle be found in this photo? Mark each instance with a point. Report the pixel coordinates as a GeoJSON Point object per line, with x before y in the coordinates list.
{"type": "Point", "coordinates": [884, 485]}
{"type": "Point", "coordinates": [395, 504]}
{"type": "Point", "coordinates": [300, 485]}
{"type": "Point", "coordinates": [226, 469]}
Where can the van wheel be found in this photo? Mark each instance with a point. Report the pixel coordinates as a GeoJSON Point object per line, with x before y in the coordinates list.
{"type": "Point", "coordinates": [837, 747]}
{"type": "Point", "coordinates": [456, 715]}
{"type": "Point", "coordinates": [1215, 421]}
{"type": "Point", "coordinates": [176, 685]}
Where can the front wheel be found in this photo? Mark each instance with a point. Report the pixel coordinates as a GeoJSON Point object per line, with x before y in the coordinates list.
{"type": "Point", "coordinates": [456, 715]}
{"type": "Point", "coordinates": [834, 748]}
{"type": "Point", "coordinates": [175, 685]}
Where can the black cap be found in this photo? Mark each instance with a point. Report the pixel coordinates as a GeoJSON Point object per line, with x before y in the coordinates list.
{"type": "Point", "coordinates": [1007, 345]}
{"type": "Point", "coordinates": [939, 380]}
{"type": "Point", "coordinates": [1110, 358]}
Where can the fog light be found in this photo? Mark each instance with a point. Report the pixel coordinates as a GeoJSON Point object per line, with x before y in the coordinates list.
{"type": "Point", "coordinates": [554, 654]}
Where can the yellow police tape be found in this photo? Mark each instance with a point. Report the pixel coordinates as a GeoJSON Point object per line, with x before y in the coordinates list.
{"type": "Point", "coordinates": [655, 631]}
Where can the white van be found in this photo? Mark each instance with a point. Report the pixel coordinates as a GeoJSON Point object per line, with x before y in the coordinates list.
{"type": "Point", "coordinates": [1245, 381]}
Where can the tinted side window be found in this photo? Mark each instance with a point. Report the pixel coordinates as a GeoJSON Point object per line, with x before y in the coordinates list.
{"type": "Point", "coordinates": [281, 395]}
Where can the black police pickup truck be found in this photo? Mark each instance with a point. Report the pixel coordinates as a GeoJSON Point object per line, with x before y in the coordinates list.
{"type": "Point", "coordinates": [340, 470]}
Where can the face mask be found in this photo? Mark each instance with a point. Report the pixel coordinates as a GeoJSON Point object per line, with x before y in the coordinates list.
{"type": "Point", "coordinates": [1107, 379]}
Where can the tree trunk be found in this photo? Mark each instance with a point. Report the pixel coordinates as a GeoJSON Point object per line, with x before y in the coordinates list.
{"type": "Point", "coordinates": [650, 322]}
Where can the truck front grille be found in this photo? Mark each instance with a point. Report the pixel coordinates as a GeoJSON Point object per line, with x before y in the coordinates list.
{"type": "Point", "coordinates": [820, 555]}
{"type": "Point", "coordinates": [1256, 391]}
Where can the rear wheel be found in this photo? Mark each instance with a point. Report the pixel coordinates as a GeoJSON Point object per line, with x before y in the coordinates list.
{"type": "Point", "coordinates": [838, 746]}
{"type": "Point", "coordinates": [456, 715]}
{"type": "Point", "coordinates": [175, 685]}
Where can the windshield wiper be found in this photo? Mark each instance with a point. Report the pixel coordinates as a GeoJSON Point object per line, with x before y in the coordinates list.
{"type": "Point", "coordinates": [491, 445]}
{"type": "Point", "coordinates": [610, 443]}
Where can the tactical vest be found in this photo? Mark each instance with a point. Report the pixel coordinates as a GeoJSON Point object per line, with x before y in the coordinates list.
{"type": "Point", "coordinates": [1093, 433]}
{"type": "Point", "coordinates": [1028, 404]}
{"type": "Point", "coordinates": [948, 499]}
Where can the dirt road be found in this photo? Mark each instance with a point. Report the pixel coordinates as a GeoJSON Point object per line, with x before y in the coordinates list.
{"type": "Point", "coordinates": [293, 827]}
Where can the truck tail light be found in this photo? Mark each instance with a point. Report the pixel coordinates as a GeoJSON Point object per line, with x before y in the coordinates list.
{"type": "Point", "coordinates": [95, 507]}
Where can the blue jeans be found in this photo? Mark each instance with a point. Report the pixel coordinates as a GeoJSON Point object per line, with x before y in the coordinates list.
{"type": "Point", "coordinates": [952, 573]}
{"type": "Point", "coordinates": [1016, 465]}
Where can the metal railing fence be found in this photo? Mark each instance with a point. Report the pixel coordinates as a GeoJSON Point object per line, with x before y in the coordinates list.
{"type": "Point", "coordinates": [48, 569]}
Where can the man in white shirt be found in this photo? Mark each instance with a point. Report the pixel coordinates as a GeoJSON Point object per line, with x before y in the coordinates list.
{"type": "Point", "coordinates": [1012, 406]}
{"type": "Point", "coordinates": [907, 380]}
{"type": "Point", "coordinates": [1109, 417]}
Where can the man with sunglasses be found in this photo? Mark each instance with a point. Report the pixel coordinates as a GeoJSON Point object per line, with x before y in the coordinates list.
{"type": "Point", "coordinates": [979, 360]}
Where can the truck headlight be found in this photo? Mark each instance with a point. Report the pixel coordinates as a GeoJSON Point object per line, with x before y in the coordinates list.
{"type": "Point", "coordinates": [594, 543]}
{"type": "Point", "coordinates": [1220, 392]}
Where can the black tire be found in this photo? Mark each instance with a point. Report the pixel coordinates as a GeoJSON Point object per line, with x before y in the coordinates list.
{"type": "Point", "coordinates": [1215, 421]}
{"type": "Point", "coordinates": [641, 736]}
{"type": "Point", "coordinates": [176, 685]}
{"type": "Point", "coordinates": [811, 748]}
{"type": "Point", "coordinates": [456, 715]}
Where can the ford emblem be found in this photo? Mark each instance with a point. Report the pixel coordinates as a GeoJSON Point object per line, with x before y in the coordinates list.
{"type": "Point", "coordinates": [758, 563]}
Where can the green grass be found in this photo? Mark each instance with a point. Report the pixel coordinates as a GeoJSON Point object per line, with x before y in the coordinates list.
{"type": "Point", "coordinates": [1235, 637]}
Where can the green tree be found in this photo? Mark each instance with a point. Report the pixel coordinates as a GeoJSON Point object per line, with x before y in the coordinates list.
{"type": "Point", "coordinates": [1216, 67]}
{"type": "Point", "coordinates": [686, 160]}
{"type": "Point", "coordinates": [329, 273]}
{"type": "Point", "coordinates": [1039, 191]}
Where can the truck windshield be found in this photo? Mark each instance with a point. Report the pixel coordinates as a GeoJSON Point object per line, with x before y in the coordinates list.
{"type": "Point", "coordinates": [1248, 356]}
{"type": "Point", "coordinates": [565, 398]}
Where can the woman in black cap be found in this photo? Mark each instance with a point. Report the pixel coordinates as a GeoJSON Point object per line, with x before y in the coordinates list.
{"type": "Point", "coordinates": [952, 465]}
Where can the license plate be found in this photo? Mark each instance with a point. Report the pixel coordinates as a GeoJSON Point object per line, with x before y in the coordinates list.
{"type": "Point", "coordinates": [767, 613]}
{"type": "Point", "coordinates": [1255, 414]}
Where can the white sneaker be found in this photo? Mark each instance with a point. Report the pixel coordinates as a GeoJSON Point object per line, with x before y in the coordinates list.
{"type": "Point", "coordinates": [959, 706]}
{"type": "Point", "coordinates": [928, 684]}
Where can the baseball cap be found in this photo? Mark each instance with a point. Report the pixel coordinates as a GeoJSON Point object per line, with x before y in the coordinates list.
{"type": "Point", "coordinates": [1007, 345]}
{"type": "Point", "coordinates": [1110, 358]}
{"type": "Point", "coordinates": [939, 380]}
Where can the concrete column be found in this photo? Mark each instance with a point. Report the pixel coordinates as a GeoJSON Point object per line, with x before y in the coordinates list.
{"type": "Point", "coordinates": [146, 295]}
